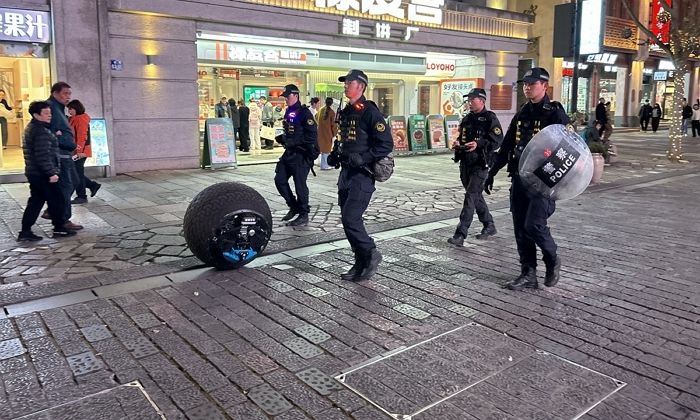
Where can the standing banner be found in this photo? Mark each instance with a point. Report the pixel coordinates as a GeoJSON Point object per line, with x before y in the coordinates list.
{"type": "Point", "coordinates": [436, 129]}
{"type": "Point", "coordinates": [98, 143]}
{"type": "Point", "coordinates": [452, 93]}
{"type": "Point", "coordinates": [219, 144]}
{"type": "Point", "coordinates": [398, 133]}
{"type": "Point", "coordinates": [416, 133]}
{"type": "Point", "coordinates": [452, 128]}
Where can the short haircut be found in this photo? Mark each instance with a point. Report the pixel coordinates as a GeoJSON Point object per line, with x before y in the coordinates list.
{"type": "Point", "coordinates": [59, 86]}
{"type": "Point", "coordinates": [315, 100]}
{"type": "Point", "coordinates": [37, 106]}
{"type": "Point", "coordinates": [77, 106]}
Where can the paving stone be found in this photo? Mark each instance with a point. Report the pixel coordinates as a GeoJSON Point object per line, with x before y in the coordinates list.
{"type": "Point", "coordinates": [463, 310]}
{"type": "Point", "coordinates": [139, 346]}
{"type": "Point", "coordinates": [84, 363]}
{"type": "Point", "coordinates": [302, 347]}
{"type": "Point", "coordinates": [312, 334]}
{"type": "Point", "coordinates": [11, 348]}
{"type": "Point", "coordinates": [269, 400]}
{"type": "Point", "coordinates": [146, 320]}
{"type": "Point", "coordinates": [280, 286]}
{"type": "Point", "coordinates": [166, 240]}
{"type": "Point", "coordinates": [411, 311]}
{"type": "Point", "coordinates": [96, 333]}
{"type": "Point", "coordinates": [319, 381]}
{"type": "Point", "coordinates": [317, 292]}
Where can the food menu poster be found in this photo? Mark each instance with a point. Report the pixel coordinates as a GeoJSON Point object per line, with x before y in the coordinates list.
{"type": "Point", "coordinates": [221, 140]}
{"type": "Point", "coordinates": [452, 93]}
{"type": "Point", "coordinates": [436, 128]}
{"type": "Point", "coordinates": [452, 125]}
{"type": "Point", "coordinates": [98, 143]}
{"type": "Point", "coordinates": [398, 133]}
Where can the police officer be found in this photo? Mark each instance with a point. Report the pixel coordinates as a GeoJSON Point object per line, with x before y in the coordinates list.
{"type": "Point", "coordinates": [364, 139]}
{"type": "Point", "coordinates": [480, 135]}
{"type": "Point", "coordinates": [529, 209]}
{"type": "Point", "coordinates": [299, 141]}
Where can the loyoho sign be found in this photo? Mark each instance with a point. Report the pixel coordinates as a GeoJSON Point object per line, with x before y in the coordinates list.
{"type": "Point", "coordinates": [435, 66]}
{"type": "Point", "coordinates": [25, 25]}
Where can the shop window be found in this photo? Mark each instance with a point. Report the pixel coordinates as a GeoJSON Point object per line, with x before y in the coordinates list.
{"type": "Point", "coordinates": [428, 98]}
{"type": "Point", "coordinates": [333, 55]}
{"type": "Point", "coordinates": [413, 60]}
{"type": "Point", "coordinates": [388, 59]}
{"type": "Point", "coordinates": [362, 57]}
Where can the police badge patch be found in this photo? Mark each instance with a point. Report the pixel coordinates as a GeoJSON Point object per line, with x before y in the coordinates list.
{"type": "Point", "coordinates": [380, 127]}
{"type": "Point", "coordinates": [310, 121]}
{"type": "Point", "coordinates": [497, 131]}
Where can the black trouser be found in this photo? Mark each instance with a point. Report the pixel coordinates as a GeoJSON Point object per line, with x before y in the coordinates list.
{"type": "Point", "coordinates": [473, 178]}
{"type": "Point", "coordinates": [696, 127]}
{"type": "Point", "coordinates": [293, 165]}
{"type": "Point", "coordinates": [82, 181]}
{"type": "Point", "coordinates": [244, 138]}
{"type": "Point", "coordinates": [530, 212]}
{"type": "Point", "coordinates": [655, 123]}
{"type": "Point", "coordinates": [644, 122]}
{"type": "Point", "coordinates": [66, 183]}
{"type": "Point", "coordinates": [42, 191]}
{"type": "Point", "coordinates": [355, 189]}
{"type": "Point", "coordinates": [3, 130]}
{"type": "Point", "coordinates": [269, 143]}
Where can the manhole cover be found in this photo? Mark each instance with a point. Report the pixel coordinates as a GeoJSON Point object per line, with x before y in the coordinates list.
{"type": "Point", "coordinates": [475, 368]}
{"type": "Point", "coordinates": [125, 401]}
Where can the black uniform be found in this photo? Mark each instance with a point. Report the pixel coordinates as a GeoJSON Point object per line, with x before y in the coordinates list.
{"type": "Point", "coordinates": [364, 139]}
{"type": "Point", "coordinates": [299, 140]}
{"type": "Point", "coordinates": [485, 129]}
{"type": "Point", "coordinates": [530, 210]}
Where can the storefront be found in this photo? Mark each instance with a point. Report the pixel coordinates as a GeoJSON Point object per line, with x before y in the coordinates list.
{"type": "Point", "coordinates": [25, 42]}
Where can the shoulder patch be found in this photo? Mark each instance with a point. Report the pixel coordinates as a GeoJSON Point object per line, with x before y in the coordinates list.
{"type": "Point", "coordinates": [497, 131]}
{"type": "Point", "coordinates": [310, 121]}
{"type": "Point", "coordinates": [379, 127]}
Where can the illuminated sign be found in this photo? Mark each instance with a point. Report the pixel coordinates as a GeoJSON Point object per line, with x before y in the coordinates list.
{"type": "Point", "coordinates": [666, 65]}
{"type": "Point", "coordinates": [418, 11]}
{"type": "Point", "coordinates": [438, 66]}
{"type": "Point", "coordinates": [248, 53]}
{"type": "Point", "coordinates": [379, 30]}
{"type": "Point", "coordinates": [602, 58]}
{"type": "Point", "coordinates": [25, 25]}
{"type": "Point", "coordinates": [591, 31]}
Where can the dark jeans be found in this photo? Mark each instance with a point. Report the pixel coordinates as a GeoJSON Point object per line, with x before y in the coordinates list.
{"type": "Point", "coordinates": [82, 181]}
{"type": "Point", "coordinates": [530, 213]}
{"type": "Point", "coordinates": [296, 167]}
{"type": "Point", "coordinates": [696, 127]}
{"type": "Point", "coordinates": [66, 184]}
{"type": "Point", "coordinates": [655, 123]}
{"type": "Point", "coordinates": [42, 191]}
{"type": "Point", "coordinates": [244, 138]}
{"type": "Point", "coordinates": [644, 122]}
{"type": "Point", "coordinates": [473, 178]}
{"type": "Point", "coordinates": [355, 188]}
{"type": "Point", "coordinates": [3, 130]}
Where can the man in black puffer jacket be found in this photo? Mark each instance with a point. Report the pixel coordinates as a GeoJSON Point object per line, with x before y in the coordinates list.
{"type": "Point", "coordinates": [42, 169]}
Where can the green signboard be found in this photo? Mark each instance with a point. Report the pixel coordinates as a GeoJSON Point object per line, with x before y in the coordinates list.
{"type": "Point", "coordinates": [254, 92]}
{"type": "Point", "coordinates": [416, 133]}
{"type": "Point", "coordinates": [219, 143]}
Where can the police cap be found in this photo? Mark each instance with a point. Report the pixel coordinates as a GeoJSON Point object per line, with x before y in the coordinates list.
{"type": "Point", "coordinates": [355, 75]}
{"type": "Point", "coordinates": [535, 74]}
{"type": "Point", "coordinates": [289, 89]}
{"type": "Point", "coordinates": [475, 93]}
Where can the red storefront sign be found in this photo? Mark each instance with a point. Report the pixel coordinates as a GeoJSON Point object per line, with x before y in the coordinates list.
{"type": "Point", "coordinates": [660, 21]}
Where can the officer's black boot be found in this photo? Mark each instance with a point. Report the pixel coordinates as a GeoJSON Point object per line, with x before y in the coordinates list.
{"type": "Point", "coordinates": [551, 276]}
{"type": "Point", "coordinates": [457, 240]}
{"type": "Point", "coordinates": [290, 215]}
{"type": "Point", "coordinates": [302, 220]}
{"type": "Point", "coordinates": [488, 230]}
{"type": "Point", "coordinates": [355, 270]}
{"type": "Point", "coordinates": [371, 265]}
{"type": "Point", "coordinates": [526, 280]}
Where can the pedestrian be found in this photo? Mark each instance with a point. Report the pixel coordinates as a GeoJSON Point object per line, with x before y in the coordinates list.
{"type": "Point", "coordinates": [364, 139]}
{"type": "Point", "coordinates": [644, 115]}
{"type": "Point", "coordinates": [268, 119]}
{"type": "Point", "coordinates": [60, 96]}
{"type": "Point", "coordinates": [222, 110]}
{"type": "Point", "coordinates": [5, 112]}
{"type": "Point", "coordinates": [300, 150]}
{"type": "Point", "coordinates": [254, 120]}
{"type": "Point", "coordinates": [696, 119]}
{"type": "Point", "coordinates": [656, 115]}
{"type": "Point", "coordinates": [235, 115]}
{"type": "Point", "coordinates": [315, 105]}
{"type": "Point", "coordinates": [80, 123]}
{"type": "Point", "coordinates": [42, 169]}
{"type": "Point", "coordinates": [530, 210]}
{"type": "Point", "coordinates": [687, 114]}
{"type": "Point", "coordinates": [601, 115]}
{"type": "Point", "coordinates": [327, 130]}
{"type": "Point", "coordinates": [480, 134]}
{"type": "Point", "coordinates": [590, 133]}
{"type": "Point", "coordinates": [243, 133]}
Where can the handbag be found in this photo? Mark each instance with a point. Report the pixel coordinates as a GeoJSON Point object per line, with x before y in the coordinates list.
{"type": "Point", "coordinates": [383, 168]}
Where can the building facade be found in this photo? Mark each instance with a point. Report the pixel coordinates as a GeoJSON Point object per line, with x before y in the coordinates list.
{"type": "Point", "coordinates": [153, 70]}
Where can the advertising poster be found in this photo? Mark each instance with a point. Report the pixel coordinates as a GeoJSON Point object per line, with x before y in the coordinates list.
{"type": "Point", "coordinates": [98, 143]}
{"type": "Point", "coordinates": [416, 132]}
{"type": "Point", "coordinates": [452, 92]}
{"type": "Point", "coordinates": [398, 133]}
{"type": "Point", "coordinates": [219, 143]}
{"type": "Point", "coordinates": [452, 125]}
{"type": "Point", "coordinates": [436, 129]}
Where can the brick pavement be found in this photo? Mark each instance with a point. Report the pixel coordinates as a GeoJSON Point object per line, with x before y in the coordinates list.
{"type": "Point", "coordinates": [134, 225]}
{"type": "Point", "coordinates": [241, 344]}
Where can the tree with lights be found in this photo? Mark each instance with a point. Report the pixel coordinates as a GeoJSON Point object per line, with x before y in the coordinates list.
{"type": "Point", "coordinates": [679, 37]}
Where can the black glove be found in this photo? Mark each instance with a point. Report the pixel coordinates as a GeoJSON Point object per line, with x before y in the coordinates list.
{"type": "Point", "coordinates": [488, 185]}
{"type": "Point", "coordinates": [281, 139]}
{"type": "Point", "coordinates": [355, 160]}
{"type": "Point", "coordinates": [333, 160]}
